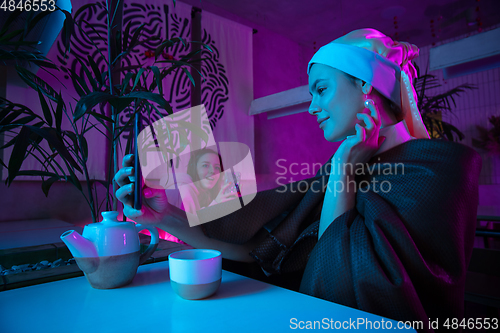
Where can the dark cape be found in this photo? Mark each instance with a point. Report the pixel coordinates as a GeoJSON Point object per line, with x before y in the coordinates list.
{"type": "Point", "coordinates": [402, 251]}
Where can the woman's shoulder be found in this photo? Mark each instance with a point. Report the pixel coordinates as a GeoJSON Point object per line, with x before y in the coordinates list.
{"type": "Point", "coordinates": [431, 165]}
{"type": "Point", "coordinates": [432, 150]}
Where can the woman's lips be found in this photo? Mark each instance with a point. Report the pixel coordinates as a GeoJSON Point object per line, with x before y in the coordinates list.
{"type": "Point", "coordinates": [321, 121]}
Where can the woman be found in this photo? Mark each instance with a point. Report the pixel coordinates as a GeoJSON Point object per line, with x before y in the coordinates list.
{"type": "Point", "coordinates": [202, 186]}
{"type": "Point", "coordinates": [387, 227]}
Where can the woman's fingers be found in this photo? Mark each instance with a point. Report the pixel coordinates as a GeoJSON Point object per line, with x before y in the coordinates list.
{"type": "Point", "coordinates": [128, 160]}
{"type": "Point", "coordinates": [123, 194]}
{"type": "Point", "coordinates": [369, 122]}
{"type": "Point", "coordinates": [156, 199]}
{"type": "Point", "coordinates": [370, 105]}
{"type": "Point", "coordinates": [372, 122]}
{"type": "Point", "coordinates": [228, 197]}
{"type": "Point", "coordinates": [131, 213]}
{"type": "Point", "coordinates": [360, 133]}
{"type": "Point", "coordinates": [122, 175]}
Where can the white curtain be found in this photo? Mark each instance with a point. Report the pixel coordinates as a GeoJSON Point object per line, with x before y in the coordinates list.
{"type": "Point", "coordinates": [229, 83]}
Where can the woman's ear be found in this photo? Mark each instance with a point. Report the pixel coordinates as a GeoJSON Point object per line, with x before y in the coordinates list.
{"type": "Point", "coordinates": [366, 88]}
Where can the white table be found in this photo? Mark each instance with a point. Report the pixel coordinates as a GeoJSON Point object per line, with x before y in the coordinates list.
{"type": "Point", "coordinates": [149, 305]}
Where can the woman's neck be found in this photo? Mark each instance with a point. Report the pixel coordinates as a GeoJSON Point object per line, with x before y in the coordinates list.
{"type": "Point", "coordinates": [394, 135]}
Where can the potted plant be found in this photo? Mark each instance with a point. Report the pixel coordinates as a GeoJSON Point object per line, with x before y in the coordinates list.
{"type": "Point", "coordinates": [103, 96]}
{"type": "Point", "coordinates": [433, 106]}
{"type": "Point", "coordinates": [489, 140]}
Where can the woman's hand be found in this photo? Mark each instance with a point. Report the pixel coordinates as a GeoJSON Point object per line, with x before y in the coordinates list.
{"type": "Point", "coordinates": [359, 148]}
{"type": "Point", "coordinates": [221, 197]}
{"type": "Point", "coordinates": [154, 204]}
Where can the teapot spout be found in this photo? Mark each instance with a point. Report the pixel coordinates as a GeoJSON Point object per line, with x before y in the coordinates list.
{"type": "Point", "coordinates": [79, 246]}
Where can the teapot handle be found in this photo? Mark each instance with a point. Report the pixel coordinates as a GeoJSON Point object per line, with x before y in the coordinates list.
{"type": "Point", "coordinates": [152, 245]}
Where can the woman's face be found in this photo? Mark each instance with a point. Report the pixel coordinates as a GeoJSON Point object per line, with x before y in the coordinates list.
{"type": "Point", "coordinates": [208, 168]}
{"type": "Point", "coordinates": [335, 102]}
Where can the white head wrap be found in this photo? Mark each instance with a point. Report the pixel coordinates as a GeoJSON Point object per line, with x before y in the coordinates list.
{"type": "Point", "coordinates": [383, 63]}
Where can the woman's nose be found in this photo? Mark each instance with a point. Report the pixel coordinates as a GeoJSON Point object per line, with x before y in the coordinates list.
{"type": "Point", "coordinates": [313, 110]}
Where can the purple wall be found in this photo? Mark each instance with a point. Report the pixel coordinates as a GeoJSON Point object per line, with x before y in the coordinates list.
{"type": "Point", "coordinates": [24, 200]}
{"type": "Point", "coordinates": [279, 65]}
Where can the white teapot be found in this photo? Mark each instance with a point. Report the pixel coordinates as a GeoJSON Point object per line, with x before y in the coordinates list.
{"type": "Point", "coordinates": [108, 252]}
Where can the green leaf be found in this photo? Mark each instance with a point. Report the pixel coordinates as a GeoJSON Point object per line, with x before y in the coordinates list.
{"type": "Point", "coordinates": [56, 142]}
{"type": "Point", "coordinates": [74, 180]}
{"type": "Point", "coordinates": [126, 35]}
{"type": "Point", "coordinates": [37, 19]}
{"type": "Point", "coordinates": [46, 184]}
{"type": "Point", "coordinates": [11, 17]}
{"type": "Point", "coordinates": [190, 55]}
{"type": "Point", "coordinates": [121, 103]}
{"type": "Point", "coordinates": [81, 84]}
{"type": "Point", "coordinates": [91, 79]}
{"type": "Point", "coordinates": [59, 112]}
{"type": "Point", "coordinates": [189, 75]}
{"type": "Point", "coordinates": [21, 43]}
{"type": "Point", "coordinates": [95, 69]}
{"type": "Point", "coordinates": [10, 143]}
{"type": "Point", "coordinates": [47, 64]}
{"type": "Point", "coordinates": [138, 77]}
{"type": "Point", "coordinates": [85, 147]}
{"type": "Point", "coordinates": [9, 119]}
{"type": "Point", "coordinates": [25, 120]}
{"type": "Point", "coordinates": [137, 33]}
{"type": "Point", "coordinates": [126, 80]}
{"type": "Point", "coordinates": [18, 153]}
{"type": "Point", "coordinates": [45, 108]}
{"type": "Point", "coordinates": [100, 116]}
{"type": "Point", "coordinates": [179, 64]}
{"type": "Point", "coordinates": [11, 35]}
{"type": "Point", "coordinates": [119, 56]}
{"type": "Point", "coordinates": [158, 80]}
{"type": "Point", "coordinates": [149, 96]}
{"type": "Point", "coordinates": [68, 30]}
{"type": "Point", "coordinates": [36, 82]}
{"type": "Point", "coordinates": [73, 138]}
{"type": "Point", "coordinates": [88, 102]}
{"type": "Point", "coordinates": [3, 164]}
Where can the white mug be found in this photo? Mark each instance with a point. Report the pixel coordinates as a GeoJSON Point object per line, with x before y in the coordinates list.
{"type": "Point", "coordinates": [196, 273]}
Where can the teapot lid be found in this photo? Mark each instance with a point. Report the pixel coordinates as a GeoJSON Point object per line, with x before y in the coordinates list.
{"type": "Point", "coordinates": [110, 217]}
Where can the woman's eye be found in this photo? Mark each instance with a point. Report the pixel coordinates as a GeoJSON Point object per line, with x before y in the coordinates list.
{"type": "Point", "coordinates": [320, 90]}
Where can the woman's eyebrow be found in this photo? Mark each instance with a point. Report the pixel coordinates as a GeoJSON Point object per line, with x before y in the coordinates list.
{"type": "Point", "coordinates": [315, 84]}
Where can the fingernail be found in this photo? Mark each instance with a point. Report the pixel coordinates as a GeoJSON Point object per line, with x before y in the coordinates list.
{"type": "Point", "coordinates": [129, 170]}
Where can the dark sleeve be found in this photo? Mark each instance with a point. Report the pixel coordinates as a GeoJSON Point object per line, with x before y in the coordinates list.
{"type": "Point", "coordinates": [403, 254]}
{"type": "Point", "coordinates": [267, 208]}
